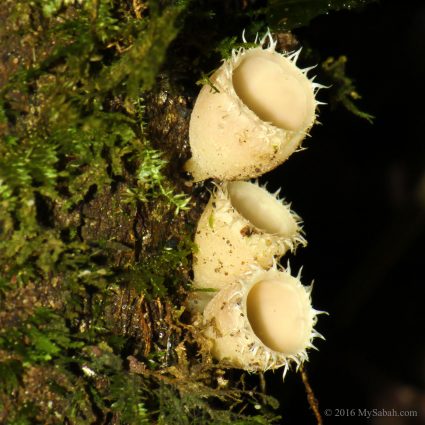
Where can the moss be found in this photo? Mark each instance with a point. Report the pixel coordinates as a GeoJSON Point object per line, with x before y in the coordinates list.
{"type": "Point", "coordinates": [343, 90]}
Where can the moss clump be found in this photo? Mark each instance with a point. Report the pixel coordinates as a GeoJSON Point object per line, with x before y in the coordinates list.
{"type": "Point", "coordinates": [343, 90]}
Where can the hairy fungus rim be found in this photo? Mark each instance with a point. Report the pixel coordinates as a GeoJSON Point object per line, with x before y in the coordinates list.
{"type": "Point", "coordinates": [261, 208]}
{"type": "Point", "coordinates": [271, 89]}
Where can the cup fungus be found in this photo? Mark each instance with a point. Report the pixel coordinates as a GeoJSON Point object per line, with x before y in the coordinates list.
{"type": "Point", "coordinates": [242, 226]}
{"type": "Point", "coordinates": [254, 114]}
{"type": "Point", "coordinates": [264, 321]}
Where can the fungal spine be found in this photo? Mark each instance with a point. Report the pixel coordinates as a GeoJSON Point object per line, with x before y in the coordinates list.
{"type": "Point", "coordinates": [253, 116]}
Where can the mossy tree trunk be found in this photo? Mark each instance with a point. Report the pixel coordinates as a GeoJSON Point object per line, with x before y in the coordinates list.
{"type": "Point", "coordinates": [97, 217]}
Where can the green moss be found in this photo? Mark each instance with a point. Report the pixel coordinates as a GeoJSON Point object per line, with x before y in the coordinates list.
{"type": "Point", "coordinates": [343, 90]}
{"type": "Point", "coordinates": [152, 183]}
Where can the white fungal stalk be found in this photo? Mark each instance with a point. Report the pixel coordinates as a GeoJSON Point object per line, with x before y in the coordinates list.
{"type": "Point", "coordinates": [265, 321]}
{"type": "Point", "coordinates": [254, 114]}
{"type": "Point", "coordinates": [242, 226]}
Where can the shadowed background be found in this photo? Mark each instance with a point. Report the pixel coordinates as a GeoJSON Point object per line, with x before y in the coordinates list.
{"type": "Point", "coordinates": [360, 190]}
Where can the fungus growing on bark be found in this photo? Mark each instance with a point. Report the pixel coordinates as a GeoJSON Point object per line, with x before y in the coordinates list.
{"type": "Point", "coordinates": [253, 116]}
{"type": "Point", "coordinates": [262, 322]}
{"type": "Point", "coordinates": [242, 226]}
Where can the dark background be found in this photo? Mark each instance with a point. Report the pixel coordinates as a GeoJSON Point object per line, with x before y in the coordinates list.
{"type": "Point", "coordinates": [360, 189]}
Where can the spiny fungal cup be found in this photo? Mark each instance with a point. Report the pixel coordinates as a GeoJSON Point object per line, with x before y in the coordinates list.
{"type": "Point", "coordinates": [253, 116]}
{"type": "Point", "coordinates": [264, 321]}
{"type": "Point", "coordinates": [242, 225]}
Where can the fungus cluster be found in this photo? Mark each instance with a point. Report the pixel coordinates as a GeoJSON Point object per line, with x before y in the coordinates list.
{"type": "Point", "coordinates": [251, 118]}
